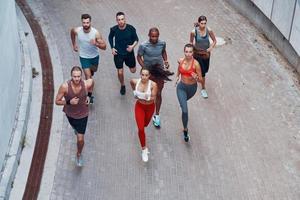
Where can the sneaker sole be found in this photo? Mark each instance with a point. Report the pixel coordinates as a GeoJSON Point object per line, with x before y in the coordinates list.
{"type": "Point", "coordinates": [156, 125]}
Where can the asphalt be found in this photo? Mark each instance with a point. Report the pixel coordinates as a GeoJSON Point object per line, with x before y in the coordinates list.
{"type": "Point", "coordinates": [244, 138]}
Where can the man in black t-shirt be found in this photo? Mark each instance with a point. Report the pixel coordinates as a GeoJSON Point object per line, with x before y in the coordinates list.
{"type": "Point", "coordinates": [122, 39]}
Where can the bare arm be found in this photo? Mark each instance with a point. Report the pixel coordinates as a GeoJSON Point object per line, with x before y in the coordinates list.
{"type": "Point", "coordinates": [133, 83]}
{"type": "Point", "coordinates": [165, 58]}
{"type": "Point", "coordinates": [192, 36]}
{"type": "Point", "coordinates": [59, 100]}
{"type": "Point", "coordinates": [213, 37]}
{"type": "Point", "coordinates": [73, 35]}
{"type": "Point", "coordinates": [178, 73]}
{"type": "Point", "coordinates": [153, 91]}
{"type": "Point", "coordinates": [198, 72]}
{"type": "Point", "coordinates": [140, 60]}
{"type": "Point", "coordinates": [100, 42]}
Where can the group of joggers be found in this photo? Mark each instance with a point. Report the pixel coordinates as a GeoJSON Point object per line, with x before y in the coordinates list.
{"type": "Point", "coordinates": [77, 93]}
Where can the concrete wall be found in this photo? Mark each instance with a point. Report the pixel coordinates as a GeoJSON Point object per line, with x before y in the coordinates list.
{"type": "Point", "coordinates": [279, 20]}
{"type": "Point", "coordinates": [10, 72]}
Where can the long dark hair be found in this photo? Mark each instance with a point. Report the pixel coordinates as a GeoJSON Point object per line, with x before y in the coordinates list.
{"type": "Point", "coordinates": [158, 71]}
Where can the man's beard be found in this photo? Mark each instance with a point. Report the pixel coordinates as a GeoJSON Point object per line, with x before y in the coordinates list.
{"type": "Point", "coordinates": [86, 27]}
{"type": "Point", "coordinates": [122, 25]}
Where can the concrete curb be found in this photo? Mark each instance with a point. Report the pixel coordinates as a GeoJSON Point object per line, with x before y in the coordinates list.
{"type": "Point", "coordinates": [18, 133]}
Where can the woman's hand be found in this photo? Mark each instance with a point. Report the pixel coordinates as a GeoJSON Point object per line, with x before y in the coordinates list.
{"type": "Point", "coordinates": [195, 76]}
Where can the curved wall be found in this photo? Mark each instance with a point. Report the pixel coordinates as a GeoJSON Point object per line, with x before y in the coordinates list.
{"type": "Point", "coordinates": [10, 65]}
{"type": "Point", "coordinates": [279, 20]}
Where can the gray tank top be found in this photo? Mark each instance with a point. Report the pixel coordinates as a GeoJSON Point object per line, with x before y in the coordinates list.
{"type": "Point", "coordinates": [86, 50]}
{"type": "Point", "coordinates": [201, 42]}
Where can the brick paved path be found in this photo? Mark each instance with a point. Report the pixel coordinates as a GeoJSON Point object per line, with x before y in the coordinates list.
{"type": "Point", "coordinates": [244, 138]}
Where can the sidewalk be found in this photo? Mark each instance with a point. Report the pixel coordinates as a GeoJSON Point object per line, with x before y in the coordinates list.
{"type": "Point", "coordinates": [244, 138]}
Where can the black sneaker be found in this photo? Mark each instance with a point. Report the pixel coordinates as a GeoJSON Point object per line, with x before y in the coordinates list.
{"type": "Point", "coordinates": [123, 90]}
{"type": "Point", "coordinates": [186, 136]}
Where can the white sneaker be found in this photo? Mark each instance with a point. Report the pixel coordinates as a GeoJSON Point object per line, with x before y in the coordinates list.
{"type": "Point", "coordinates": [145, 153]}
{"type": "Point", "coordinates": [79, 161]}
{"type": "Point", "coordinates": [204, 94]}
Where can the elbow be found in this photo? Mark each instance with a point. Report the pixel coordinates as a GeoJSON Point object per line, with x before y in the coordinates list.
{"type": "Point", "coordinates": [103, 47]}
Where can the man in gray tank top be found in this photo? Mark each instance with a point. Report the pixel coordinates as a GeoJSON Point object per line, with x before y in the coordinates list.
{"type": "Point", "coordinates": [89, 41]}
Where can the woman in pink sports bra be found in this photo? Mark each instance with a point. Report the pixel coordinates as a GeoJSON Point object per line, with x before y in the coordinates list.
{"type": "Point", "coordinates": [145, 91]}
{"type": "Point", "coordinates": [189, 73]}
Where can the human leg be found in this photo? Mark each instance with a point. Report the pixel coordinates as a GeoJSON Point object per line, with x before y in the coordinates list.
{"type": "Point", "coordinates": [149, 113]}
{"type": "Point", "coordinates": [79, 125]}
{"type": "Point", "coordinates": [119, 60]}
{"type": "Point", "coordinates": [140, 117]}
{"type": "Point", "coordinates": [130, 62]}
{"type": "Point", "coordinates": [182, 99]}
{"type": "Point", "coordinates": [140, 121]}
{"type": "Point", "coordinates": [158, 100]}
{"type": "Point", "coordinates": [204, 64]}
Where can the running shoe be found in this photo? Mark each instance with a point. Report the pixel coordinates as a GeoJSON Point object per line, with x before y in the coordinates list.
{"type": "Point", "coordinates": [186, 136]}
{"type": "Point", "coordinates": [156, 120]}
{"type": "Point", "coordinates": [123, 90]}
{"type": "Point", "coordinates": [91, 100]}
{"type": "Point", "coordinates": [79, 161]}
{"type": "Point", "coordinates": [145, 153]}
{"type": "Point", "coordinates": [204, 94]}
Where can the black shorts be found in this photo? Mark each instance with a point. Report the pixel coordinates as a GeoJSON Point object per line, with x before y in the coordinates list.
{"type": "Point", "coordinates": [78, 124]}
{"type": "Point", "coordinates": [129, 60]}
{"type": "Point", "coordinates": [204, 64]}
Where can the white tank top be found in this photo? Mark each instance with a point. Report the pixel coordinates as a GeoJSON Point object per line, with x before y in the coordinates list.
{"type": "Point", "coordinates": [143, 95]}
{"type": "Point", "coordinates": [86, 50]}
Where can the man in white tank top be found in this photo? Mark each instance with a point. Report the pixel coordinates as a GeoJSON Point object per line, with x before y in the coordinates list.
{"type": "Point", "coordinates": [89, 40]}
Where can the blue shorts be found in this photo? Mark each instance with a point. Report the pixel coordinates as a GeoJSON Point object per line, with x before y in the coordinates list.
{"type": "Point", "coordinates": [89, 62]}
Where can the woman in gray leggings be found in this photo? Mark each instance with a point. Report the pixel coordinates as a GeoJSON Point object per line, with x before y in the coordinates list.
{"type": "Point", "coordinates": [189, 72]}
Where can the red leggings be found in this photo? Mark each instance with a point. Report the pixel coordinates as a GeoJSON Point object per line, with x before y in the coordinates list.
{"type": "Point", "coordinates": [143, 115]}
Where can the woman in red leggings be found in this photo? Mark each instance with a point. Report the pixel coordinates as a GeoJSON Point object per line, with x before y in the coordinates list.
{"type": "Point", "coordinates": [144, 90]}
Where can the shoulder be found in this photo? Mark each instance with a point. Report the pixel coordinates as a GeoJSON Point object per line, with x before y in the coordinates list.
{"type": "Point", "coordinates": [209, 29]}
{"type": "Point", "coordinates": [76, 29]}
{"type": "Point", "coordinates": [193, 31]}
{"type": "Point", "coordinates": [162, 42]}
{"type": "Point", "coordinates": [114, 28]}
{"type": "Point", "coordinates": [94, 30]}
{"type": "Point", "coordinates": [64, 87]}
{"type": "Point", "coordinates": [180, 60]}
{"type": "Point", "coordinates": [145, 43]}
{"type": "Point", "coordinates": [196, 63]}
{"type": "Point", "coordinates": [97, 33]}
{"type": "Point", "coordinates": [153, 84]}
{"type": "Point", "coordinates": [129, 26]}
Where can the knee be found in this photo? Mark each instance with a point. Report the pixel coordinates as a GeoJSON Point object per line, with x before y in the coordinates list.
{"type": "Point", "coordinates": [80, 141]}
{"type": "Point", "coordinates": [141, 128]}
{"type": "Point", "coordinates": [184, 112]}
{"type": "Point", "coordinates": [120, 71]}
